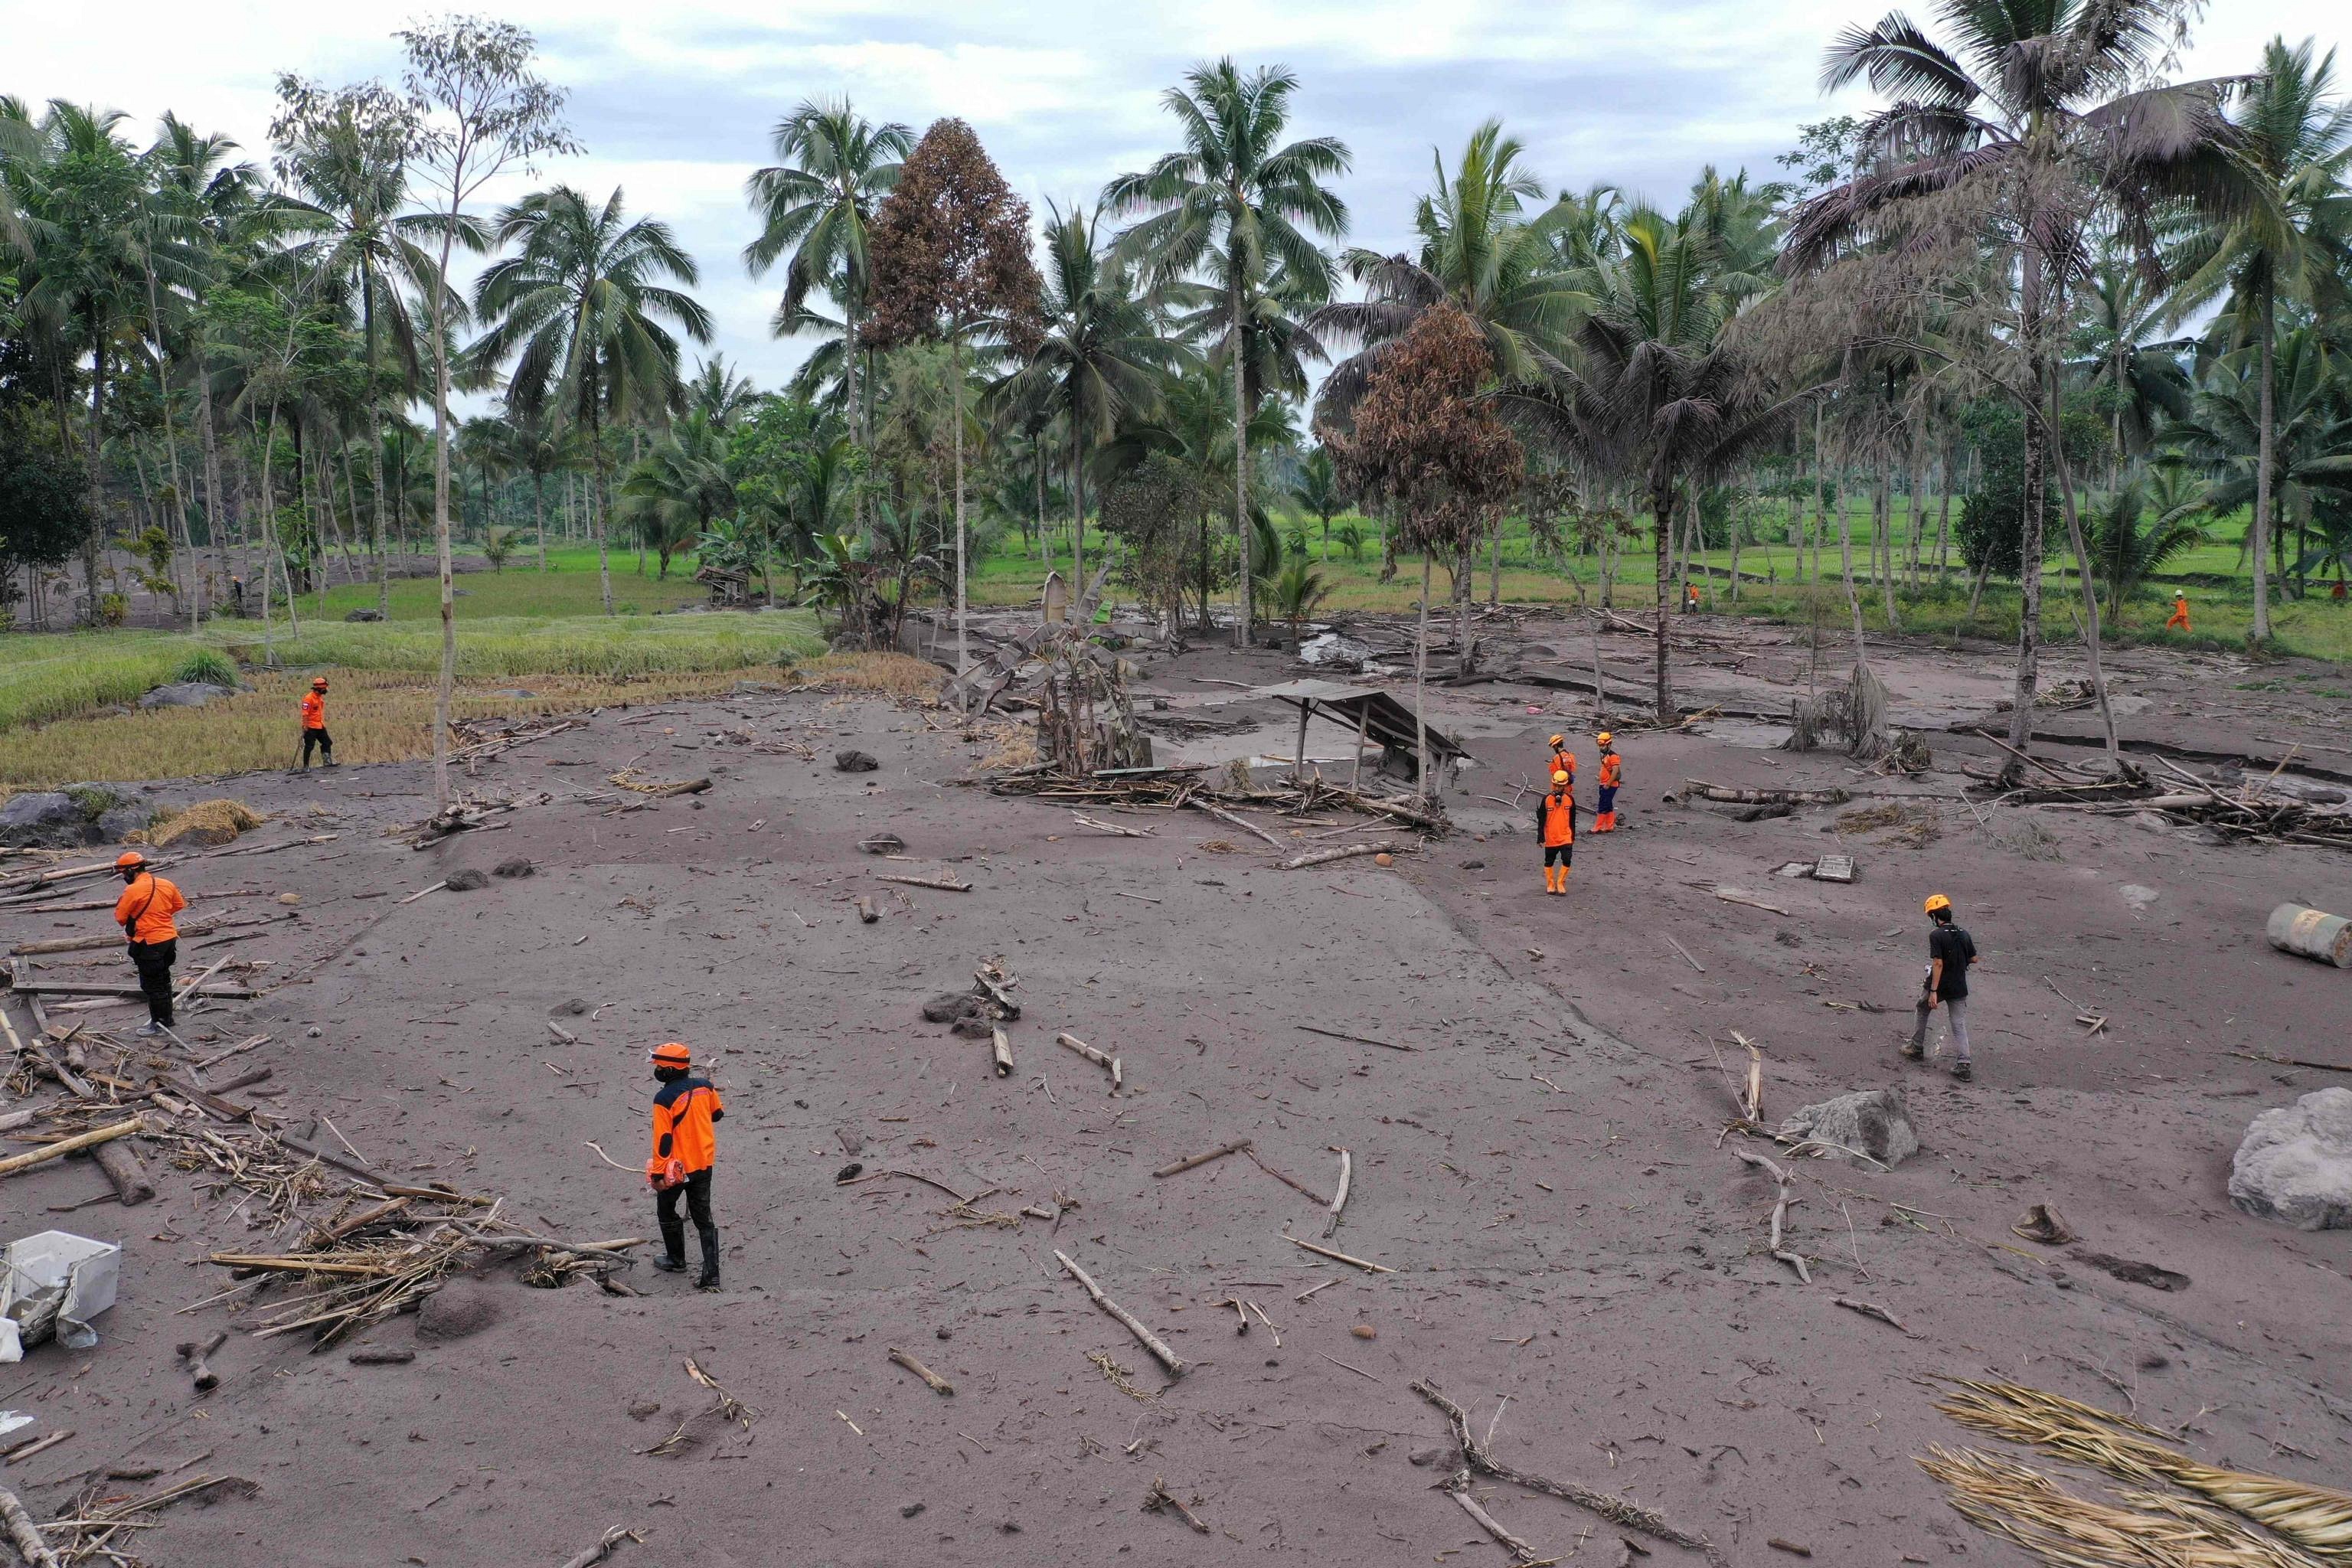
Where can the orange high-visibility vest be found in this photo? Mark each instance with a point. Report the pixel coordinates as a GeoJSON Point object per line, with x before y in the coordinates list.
{"type": "Point", "coordinates": [1564, 762]}
{"type": "Point", "coordinates": [1610, 764]}
{"type": "Point", "coordinates": [1558, 819]}
{"type": "Point", "coordinates": [683, 1112]}
{"type": "Point", "coordinates": [145, 909]}
{"type": "Point", "coordinates": [314, 710]}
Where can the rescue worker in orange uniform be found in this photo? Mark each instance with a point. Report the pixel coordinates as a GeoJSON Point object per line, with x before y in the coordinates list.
{"type": "Point", "coordinates": [1690, 598]}
{"type": "Point", "coordinates": [2179, 610]}
{"type": "Point", "coordinates": [314, 723]}
{"type": "Point", "coordinates": [685, 1149]}
{"type": "Point", "coordinates": [1563, 760]}
{"type": "Point", "coordinates": [1604, 815]}
{"type": "Point", "coordinates": [144, 912]}
{"type": "Point", "coordinates": [1556, 825]}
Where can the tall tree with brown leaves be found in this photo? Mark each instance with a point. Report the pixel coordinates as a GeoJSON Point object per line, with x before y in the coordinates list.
{"type": "Point", "coordinates": [950, 249]}
{"type": "Point", "coordinates": [1428, 445]}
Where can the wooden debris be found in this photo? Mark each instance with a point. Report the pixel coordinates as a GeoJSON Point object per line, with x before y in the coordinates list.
{"type": "Point", "coordinates": [1324, 857]}
{"type": "Point", "coordinates": [1790, 1547]}
{"type": "Point", "coordinates": [1230, 820]}
{"type": "Point", "coordinates": [1003, 1047]}
{"type": "Point", "coordinates": [1616, 1509]}
{"type": "Point", "coordinates": [1780, 1211]}
{"type": "Point", "coordinates": [1161, 1499]}
{"type": "Point", "coordinates": [194, 1353]}
{"type": "Point", "coordinates": [1734, 895]}
{"type": "Point", "coordinates": [32, 1445]}
{"type": "Point", "coordinates": [1358, 1040]}
{"type": "Point", "coordinates": [627, 779]}
{"type": "Point", "coordinates": [24, 1532]}
{"type": "Point", "coordinates": [381, 1355]}
{"type": "Point", "coordinates": [64, 1146]}
{"type": "Point", "coordinates": [939, 1386]}
{"type": "Point", "coordinates": [1340, 1199]}
{"type": "Point", "coordinates": [942, 884]}
{"type": "Point", "coordinates": [1458, 1488]}
{"type": "Point", "coordinates": [1101, 1059]}
{"type": "Point", "coordinates": [1145, 1337]}
{"type": "Point", "coordinates": [421, 892]}
{"type": "Point", "coordinates": [1869, 1310]}
{"type": "Point", "coordinates": [1700, 789]}
{"type": "Point", "coordinates": [1219, 1152]}
{"type": "Point", "coordinates": [867, 913]}
{"type": "Point", "coordinates": [1694, 962]}
{"type": "Point", "coordinates": [1367, 1265]}
{"type": "Point", "coordinates": [603, 1548]}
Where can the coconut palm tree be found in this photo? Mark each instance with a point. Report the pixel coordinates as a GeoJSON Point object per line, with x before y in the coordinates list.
{"type": "Point", "coordinates": [1316, 492]}
{"type": "Point", "coordinates": [2120, 357]}
{"type": "Point", "coordinates": [2035, 121]}
{"type": "Point", "coordinates": [537, 446]}
{"type": "Point", "coordinates": [1235, 206]}
{"type": "Point", "coordinates": [2302, 450]}
{"type": "Point", "coordinates": [2133, 533]}
{"type": "Point", "coordinates": [1100, 358]}
{"type": "Point", "coordinates": [718, 394]}
{"type": "Point", "coordinates": [1479, 250]}
{"type": "Point", "coordinates": [2295, 136]}
{"type": "Point", "coordinates": [832, 167]}
{"type": "Point", "coordinates": [674, 491]}
{"type": "Point", "coordinates": [579, 310]}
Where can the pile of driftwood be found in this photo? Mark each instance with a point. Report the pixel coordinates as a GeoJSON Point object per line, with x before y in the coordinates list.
{"type": "Point", "coordinates": [1183, 788]}
{"type": "Point", "coordinates": [2257, 812]}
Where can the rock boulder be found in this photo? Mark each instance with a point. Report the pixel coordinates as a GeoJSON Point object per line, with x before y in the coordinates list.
{"type": "Point", "coordinates": [185, 694]}
{"type": "Point", "coordinates": [45, 819]}
{"type": "Point", "coordinates": [1876, 1122]}
{"type": "Point", "coordinates": [2295, 1163]}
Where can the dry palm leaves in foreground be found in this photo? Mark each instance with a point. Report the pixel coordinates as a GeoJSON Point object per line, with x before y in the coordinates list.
{"type": "Point", "coordinates": [2024, 1506]}
{"type": "Point", "coordinates": [2317, 1520]}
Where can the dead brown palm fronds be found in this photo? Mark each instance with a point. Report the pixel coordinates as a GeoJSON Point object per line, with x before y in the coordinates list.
{"type": "Point", "coordinates": [2317, 1519]}
{"type": "Point", "coordinates": [2025, 1507]}
{"type": "Point", "coordinates": [729, 1407]}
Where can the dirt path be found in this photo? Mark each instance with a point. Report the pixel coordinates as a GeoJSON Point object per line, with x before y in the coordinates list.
{"type": "Point", "coordinates": [1576, 1261]}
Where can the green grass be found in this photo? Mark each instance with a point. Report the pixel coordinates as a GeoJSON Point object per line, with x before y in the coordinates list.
{"type": "Point", "coordinates": [569, 588]}
{"type": "Point", "coordinates": [46, 678]}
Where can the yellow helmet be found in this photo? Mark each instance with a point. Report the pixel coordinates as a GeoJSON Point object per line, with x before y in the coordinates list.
{"type": "Point", "coordinates": [1603, 738]}
{"type": "Point", "coordinates": [1559, 775]}
{"type": "Point", "coordinates": [1560, 739]}
{"type": "Point", "coordinates": [1937, 902]}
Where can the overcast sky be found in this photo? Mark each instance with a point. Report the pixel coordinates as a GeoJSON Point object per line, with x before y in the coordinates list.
{"type": "Point", "coordinates": [674, 100]}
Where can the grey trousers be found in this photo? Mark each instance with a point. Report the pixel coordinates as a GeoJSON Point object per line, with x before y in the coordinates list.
{"type": "Point", "coordinates": [1956, 1024]}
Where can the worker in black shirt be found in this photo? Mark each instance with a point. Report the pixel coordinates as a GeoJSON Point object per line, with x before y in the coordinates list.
{"type": "Point", "coordinates": [1950, 953]}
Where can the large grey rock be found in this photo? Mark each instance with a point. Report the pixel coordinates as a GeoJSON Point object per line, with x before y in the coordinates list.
{"type": "Point", "coordinates": [2295, 1163]}
{"type": "Point", "coordinates": [185, 694]}
{"type": "Point", "coordinates": [116, 822]}
{"type": "Point", "coordinates": [1873, 1121]}
{"type": "Point", "coordinates": [45, 819]}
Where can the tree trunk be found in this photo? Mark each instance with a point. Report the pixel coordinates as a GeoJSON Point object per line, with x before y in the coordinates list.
{"type": "Point", "coordinates": [2264, 447]}
{"type": "Point", "coordinates": [1493, 566]}
{"type": "Point", "coordinates": [1883, 530]}
{"type": "Point", "coordinates": [1845, 568]}
{"type": "Point", "coordinates": [599, 509]}
{"type": "Point", "coordinates": [2083, 573]}
{"type": "Point", "coordinates": [1078, 521]}
{"type": "Point", "coordinates": [1662, 508]}
{"type": "Point", "coordinates": [1241, 465]}
{"type": "Point", "coordinates": [2029, 569]}
{"type": "Point", "coordinates": [89, 544]}
{"type": "Point", "coordinates": [539, 514]}
{"type": "Point", "coordinates": [446, 686]}
{"type": "Point", "coordinates": [1465, 569]}
{"type": "Point", "coordinates": [270, 533]}
{"type": "Point", "coordinates": [964, 641]}
{"type": "Point", "coordinates": [172, 449]}
{"type": "Point", "coordinates": [1421, 680]}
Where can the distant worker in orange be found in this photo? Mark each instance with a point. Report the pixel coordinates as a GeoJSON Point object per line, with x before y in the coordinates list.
{"type": "Point", "coordinates": [1604, 815]}
{"type": "Point", "coordinates": [1556, 825]}
{"type": "Point", "coordinates": [685, 1149]}
{"type": "Point", "coordinates": [1690, 598]}
{"type": "Point", "coordinates": [2179, 610]}
{"type": "Point", "coordinates": [314, 723]}
{"type": "Point", "coordinates": [1563, 760]}
{"type": "Point", "coordinates": [144, 912]}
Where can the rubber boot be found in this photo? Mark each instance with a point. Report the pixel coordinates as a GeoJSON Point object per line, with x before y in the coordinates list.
{"type": "Point", "coordinates": [709, 1277]}
{"type": "Point", "coordinates": [673, 1235]}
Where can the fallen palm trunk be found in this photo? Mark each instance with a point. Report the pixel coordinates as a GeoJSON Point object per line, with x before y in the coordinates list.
{"type": "Point", "coordinates": [1325, 857]}
{"type": "Point", "coordinates": [24, 1532]}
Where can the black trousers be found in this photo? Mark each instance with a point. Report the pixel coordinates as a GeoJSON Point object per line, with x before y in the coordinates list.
{"type": "Point", "coordinates": [696, 1194]}
{"type": "Point", "coordinates": [320, 739]}
{"type": "Point", "coordinates": [154, 960]}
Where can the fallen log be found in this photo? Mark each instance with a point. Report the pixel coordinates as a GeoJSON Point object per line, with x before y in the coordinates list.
{"type": "Point", "coordinates": [1230, 820]}
{"type": "Point", "coordinates": [65, 1146]}
{"type": "Point", "coordinates": [24, 1532]}
{"type": "Point", "coordinates": [1149, 1341]}
{"type": "Point", "coordinates": [123, 1170]}
{"type": "Point", "coordinates": [1702, 790]}
{"type": "Point", "coordinates": [867, 913]}
{"type": "Point", "coordinates": [1219, 1152]}
{"type": "Point", "coordinates": [128, 993]}
{"type": "Point", "coordinates": [1324, 857]}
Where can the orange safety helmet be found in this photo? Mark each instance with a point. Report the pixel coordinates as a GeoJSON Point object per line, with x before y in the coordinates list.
{"type": "Point", "coordinates": [318, 683]}
{"type": "Point", "coordinates": [1559, 775]}
{"type": "Point", "coordinates": [1603, 738]}
{"type": "Point", "coordinates": [1937, 902]}
{"type": "Point", "coordinates": [1560, 739]}
{"type": "Point", "coordinates": [129, 858]}
{"type": "Point", "coordinates": [671, 1054]}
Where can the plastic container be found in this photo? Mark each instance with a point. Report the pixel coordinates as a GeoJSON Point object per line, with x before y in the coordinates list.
{"type": "Point", "coordinates": [2312, 934]}
{"type": "Point", "coordinates": [55, 1283]}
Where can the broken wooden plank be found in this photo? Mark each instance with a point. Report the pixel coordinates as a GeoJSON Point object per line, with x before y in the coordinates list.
{"type": "Point", "coordinates": [939, 1386]}
{"type": "Point", "coordinates": [944, 884]}
{"type": "Point", "coordinates": [1734, 895]}
{"type": "Point", "coordinates": [1219, 1152]}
